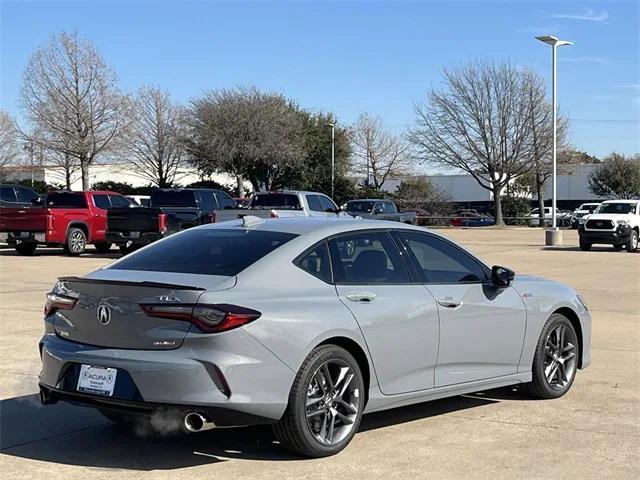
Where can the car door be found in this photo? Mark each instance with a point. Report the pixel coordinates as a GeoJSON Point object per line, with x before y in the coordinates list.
{"type": "Point", "coordinates": [481, 326]}
{"type": "Point", "coordinates": [398, 319]}
{"type": "Point", "coordinates": [102, 203]}
{"type": "Point", "coordinates": [328, 206]}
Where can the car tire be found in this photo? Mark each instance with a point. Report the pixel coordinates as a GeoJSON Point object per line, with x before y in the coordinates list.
{"type": "Point", "coordinates": [556, 358]}
{"type": "Point", "coordinates": [585, 246]}
{"type": "Point", "coordinates": [76, 242]}
{"type": "Point", "coordinates": [26, 248]}
{"type": "Point", "coordinates": [320, 420]}
{"type": "Point", "coordinates": [103, 247]}
{"type": "Point", "coordinates": [632, 243]}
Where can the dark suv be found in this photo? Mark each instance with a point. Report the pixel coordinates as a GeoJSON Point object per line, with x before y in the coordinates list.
{"type": "Point", "coordinates": [17, 196]}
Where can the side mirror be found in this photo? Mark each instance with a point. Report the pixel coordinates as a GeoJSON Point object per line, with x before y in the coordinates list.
{"type": "Point", "coordinates": [502, 276]}
{"type": "Point", "coordinates": [37, 202]}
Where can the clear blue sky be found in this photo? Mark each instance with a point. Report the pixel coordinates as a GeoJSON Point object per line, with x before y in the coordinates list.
{"type": "Point", "coordinates": [350, 57]}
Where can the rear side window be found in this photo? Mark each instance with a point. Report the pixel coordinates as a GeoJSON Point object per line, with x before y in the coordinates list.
{"type": "Point", "coordinates": [66, 200]}
{"type": "Point", "coordinates": [206, 251]}
{"type": "Point", "coordinates": [101, 201]}
{"type": "Point", "coordinates": [281, 201]}
{"type": "Point", "coordinates": [367, 258]}
{"type": "Point", "coordinates": [173, 198]}
{"type": "Point", "coordinates": [208, 202]}
{"type": "Point", "coordinates": [8, 194]}
{"type": "Point", "coordinates": [118, 201]}
{"type": "Point", "coordinates": [317, 262]}
{"type": "Point", "coordinates": [224, 200]}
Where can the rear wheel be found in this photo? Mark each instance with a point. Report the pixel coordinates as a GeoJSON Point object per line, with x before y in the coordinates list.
{"type": "Point", "coordinates": [26, 248]}
{"type": "Point", "coordinates": [325, 404]}
{"type": "Point", "coordinates": [103, 247]}
{"type": "Point", "coordinates": [76, 242]}
{"type": "Point", "coordinates": [556, 359]}
{"type": "Point", "coordinates": [632, 243]}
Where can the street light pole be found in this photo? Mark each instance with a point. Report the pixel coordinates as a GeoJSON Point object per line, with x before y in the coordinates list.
{"type": "Point", "coordinates": [333, 156]}
{"type": "Point", "coordinates": [554, 236]}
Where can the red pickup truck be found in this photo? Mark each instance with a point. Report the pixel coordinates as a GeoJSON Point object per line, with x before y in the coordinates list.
{"type": "Point", "coordinates": [69, 219]}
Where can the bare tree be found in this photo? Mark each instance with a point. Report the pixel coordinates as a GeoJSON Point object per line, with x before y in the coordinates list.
{"type": "Point", "coordinates": [378, 153]}
{"type": "Point", "coordinates": [252, 134]}
{"type": "Point", "coordinates": [70, 94]}
{"type": "Point", "coordinates": [541, 116]}
{"type": "Point", "coordinates": [155, 136]}
{"type": "Point", "coordinates": [9, 140]}
{"type": "Point", "coordinates": [479, 123]}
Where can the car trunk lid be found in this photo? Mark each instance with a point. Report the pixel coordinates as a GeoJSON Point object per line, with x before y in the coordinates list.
{"type": "Point", "coordinates": [108, 310]}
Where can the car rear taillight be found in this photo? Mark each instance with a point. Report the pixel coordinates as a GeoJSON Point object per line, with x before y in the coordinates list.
{"type": "Point", "coordinates": [162, 222]}
{"type": "Point", "coordinates": [212, 217]}
{"type": "Point", "coordinates": [208, 318]}
{"type": "Point", "coordinates": [50, 222]}
{"type": "Point", "coordinates": [57, 302]}
{"type": "Point", "coordinates": [274, 214]}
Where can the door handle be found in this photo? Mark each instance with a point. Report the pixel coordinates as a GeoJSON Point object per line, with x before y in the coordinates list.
{"type": "Point", "coordinates": [364, 297]}
{"type": "Point", "coordinates": [449, 302]}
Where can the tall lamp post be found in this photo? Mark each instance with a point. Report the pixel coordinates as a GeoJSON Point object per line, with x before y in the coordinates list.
{"type": "Point", "coordinates": [553, 236]}
{"type": "Point", "coordinates": [333, 156]}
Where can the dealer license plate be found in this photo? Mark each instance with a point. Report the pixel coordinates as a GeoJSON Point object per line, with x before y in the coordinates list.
{"type": "Point", "coordinates": [97, 380]}
{"type": "Point", "coordinates": [134, 234]}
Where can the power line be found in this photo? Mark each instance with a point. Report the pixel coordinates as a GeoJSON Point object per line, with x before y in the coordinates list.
{"type": "Point", "coordinates": [604, 120]}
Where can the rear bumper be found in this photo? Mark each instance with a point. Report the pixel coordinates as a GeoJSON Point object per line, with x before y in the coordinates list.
{"type": "Point", "coordinates": [619, 235]}
{"type": "Point", "coordinates": [211, 374]}
{"type": "Point", "coordinates": [28, 237]}
{"type": "Point", "coordinates": [121, 238]}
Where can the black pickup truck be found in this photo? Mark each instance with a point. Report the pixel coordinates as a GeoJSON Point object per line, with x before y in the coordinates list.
{"type": "Point", "coordinates": [169, 211]}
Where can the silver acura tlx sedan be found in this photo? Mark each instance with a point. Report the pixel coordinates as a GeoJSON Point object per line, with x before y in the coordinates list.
{"type": "Point", "coordinates": [305, 324]}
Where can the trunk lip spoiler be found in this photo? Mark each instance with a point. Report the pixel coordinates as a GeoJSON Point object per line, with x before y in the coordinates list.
{"type": "Point", "coordinates": [129, 282]}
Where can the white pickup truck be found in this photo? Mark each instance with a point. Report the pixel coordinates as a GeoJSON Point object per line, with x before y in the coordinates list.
{"type": "Point", "coordinates": [562, 218]}
{"type": "Point", "coordinates": [283, 203]}
{"type": "Point", "coordinates": [614, 222]}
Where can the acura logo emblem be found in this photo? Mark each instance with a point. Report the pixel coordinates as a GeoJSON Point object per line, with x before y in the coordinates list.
{"type": "Point", "coordinates": [104, 315]}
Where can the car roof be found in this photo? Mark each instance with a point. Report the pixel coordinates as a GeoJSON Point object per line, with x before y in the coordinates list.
{"type": "Point", "coordinates": [289, 192]}
{"type": "Point", "coordinates": [369, 200]}
{"type": "Point", "coordinates": [630, 200]}
{"type": "Point", "coordinates": [320, 227]}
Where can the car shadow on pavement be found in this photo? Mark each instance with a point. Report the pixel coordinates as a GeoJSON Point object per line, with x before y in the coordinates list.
{"type": "Point", "coordinates": [79, 436]}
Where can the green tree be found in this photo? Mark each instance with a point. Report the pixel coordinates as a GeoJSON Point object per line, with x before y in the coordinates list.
{"type": "Point", "coordinates": [420, 193]}
{"type": "Point", "coordinates": [617, 177]}
{"type": "Point", "coordinates": [118, 187]}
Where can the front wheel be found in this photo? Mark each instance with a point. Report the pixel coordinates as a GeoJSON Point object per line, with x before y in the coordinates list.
{"type": "Point", "coordinates": [584, 245]}
{"type": "Point", "coordinates": [555, 360]}
{"type": "Point", "coordinates": [632, 243]}
{"type": "Point", "coordinates": [325, 404]}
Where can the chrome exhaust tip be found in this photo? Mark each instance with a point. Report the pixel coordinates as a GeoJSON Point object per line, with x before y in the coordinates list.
{"type": "Point", "coordinates": [195, 422]}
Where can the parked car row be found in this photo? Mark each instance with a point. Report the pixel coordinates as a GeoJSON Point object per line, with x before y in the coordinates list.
{"type": "Point", "coordinates": [74, 220]}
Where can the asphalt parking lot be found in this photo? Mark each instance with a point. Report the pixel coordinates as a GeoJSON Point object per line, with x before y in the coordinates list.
{"type": "Point", "coordinates": [592, 432]}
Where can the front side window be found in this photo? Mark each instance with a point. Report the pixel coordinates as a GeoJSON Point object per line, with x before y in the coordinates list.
{"type": "Point", "coordinates": [359, 206]}
{"type": "Point", "coordinates": [367, 258]}
{"type": "Point", "coordinates": [26, 195]}
{"type": "Point", "coordinates": [327, 204]}
{"type": "Point", "coordinates": [210, 251]}
{"type": "Point", "coordinates": [317, 262]}
{"type": "Point", "coordinates": [314, 203]}
{"type": "Point", "coordinates": [440, 261]}
{"type": "Point", "coordinates": [224, 200]}
{"type": "Point", "coordinates": [8, 194]}
{"type": "Point", "coordinates": [101, 201]}
{"type": "Point", "coordinates": [66, 200]}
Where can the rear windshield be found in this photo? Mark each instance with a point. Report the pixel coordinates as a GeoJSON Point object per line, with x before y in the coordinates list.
{"type": "Point", "coordinates": [280, 201]}
{"type": "Point", "coordinates": [173, 198]}
{"type": "Point", "coordinates": [206, 252]}
{"type": "Point", "coordinates": [66, 200]}
{"type": "Point", "coordinates": [360, 206]}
